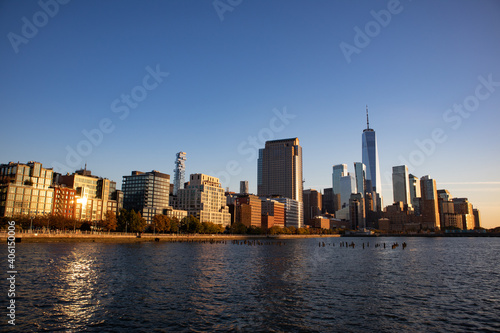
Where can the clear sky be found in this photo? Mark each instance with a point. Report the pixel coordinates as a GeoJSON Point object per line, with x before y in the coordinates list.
{"type": "Point", "coordinates": [146, 79]}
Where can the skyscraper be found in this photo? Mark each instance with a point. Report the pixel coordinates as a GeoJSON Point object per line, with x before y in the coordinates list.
{"type": "Point", "coordinates": [280, 169]}
{"type": "Point", "coordinates": [400, 184]}
{"type": "Point", "coordinates": [312, 204]}
{"type": "Point", "coordinates": [244, 187]}
{"type": "Point", "coordinates": [347, 187]}
{"type": "Point", "coordinates": [339, 171]}
{"type": "Point", "coordinates": [370, 156]}
{"type": "Point", "coordinates": [179, 171]}
{"type": "Point", "coordinates": [360, 174]}
{"type": "Point", "coordinates": [429, 203]}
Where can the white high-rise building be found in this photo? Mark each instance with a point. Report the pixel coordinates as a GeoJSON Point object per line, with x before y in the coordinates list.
{"type": "Point", "coordinates": [179, 171]}
{"type": "Point", "coordinates": [347, 187]}
{"type": "Point", "coordinates": [205, 199]}
{"type": "Point", "coordinates": [339, 171]}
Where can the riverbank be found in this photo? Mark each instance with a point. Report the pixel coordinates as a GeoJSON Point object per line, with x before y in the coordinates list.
{"type": "Point", "coordinates": [133, 238]}
{"type": "Point", "coordinates": [452, 234]}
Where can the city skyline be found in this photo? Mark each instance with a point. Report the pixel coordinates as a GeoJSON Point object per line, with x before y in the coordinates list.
{"type": "Point", "coordinates": [217, 86]}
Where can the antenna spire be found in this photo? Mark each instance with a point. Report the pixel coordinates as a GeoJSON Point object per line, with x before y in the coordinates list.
{"type": "Point", "coordinates": [367, 121]}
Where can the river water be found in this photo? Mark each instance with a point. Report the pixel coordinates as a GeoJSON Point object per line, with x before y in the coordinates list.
{"type": "Point", "coordinates": [434, 284]}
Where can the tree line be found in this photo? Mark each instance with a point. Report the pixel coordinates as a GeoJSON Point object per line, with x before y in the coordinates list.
{"type": "Point", "coordinates": [131, 221]}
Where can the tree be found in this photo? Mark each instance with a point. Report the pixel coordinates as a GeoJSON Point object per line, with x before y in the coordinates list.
{"type": "Point", "coordinates": [161, 223]}
{"type": "Point", "coordinates": [86, 226]}
{"type": "Point", "coordinates": [110, 222]}
{"type": "Point", "coordinates": [174, 225]}
{"type": "Point", "coordinates": [122, 220]}
{"type": "Point", "coordinates": [130, 221]}
{"type": "Point", "coordinates": [136, 223]}
{"type": "Point", "coordinates": [239, 228]}
{"type": "Point", "coordinates": [253, 230]}
{"type": "Point", "coordinates": [191, 224]}
{"type": "Point", "coordinates": [275, 230]}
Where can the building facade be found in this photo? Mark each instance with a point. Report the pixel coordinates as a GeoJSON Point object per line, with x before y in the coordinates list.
{"type": "Point", "coordinates": [94, 196]}
{"type": "Point", "coordinates": [25, 189]}
{"type": "Point", "coordinates": [312, 205]}
{"type": "Point", "coordinates": [429, 204]}
{"type": "Point", "coordinates": [276, 210]}
{"type": "Point", "coordinates": [360, 174]}
{"type": "Point", "coordinates": [400, 184]}
{"type": "Point", "coordinates": [248, 210]}
{"type": "Point", "coordinates": [205, 199]}
{"type": "Point", "coordinates": [244, 187]}
{"type": "Point", "coordinates": [280, 169]}
{"type": "Point", "coordinates": [179, 171]}
{"type": "Point", "coordinates": [339, 171]}
{"type": "Point", "coordinates": [293, 212]}
{"type": "Point", "coordinates": [147, 193]}
{"type": "Point", "coordinates": [370, 155]}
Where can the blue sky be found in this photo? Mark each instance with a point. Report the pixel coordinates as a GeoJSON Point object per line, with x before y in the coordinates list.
{"type": "Point", "coordinates": [231, 72]}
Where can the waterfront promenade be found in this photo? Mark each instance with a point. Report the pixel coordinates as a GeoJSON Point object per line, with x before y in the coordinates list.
{"type": "Point", "coordinates": [118, 237]}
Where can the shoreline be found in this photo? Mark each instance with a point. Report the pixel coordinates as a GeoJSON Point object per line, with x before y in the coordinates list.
{"type": "Point", "coordinates": [132, 238]}
{"type": "Point", "coordinates": [110, 238]}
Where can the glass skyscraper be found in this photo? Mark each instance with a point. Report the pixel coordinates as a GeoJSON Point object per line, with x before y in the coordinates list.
{"type": "Point", "coordinates": [370, 156]}
{"type": "Point", "coordinates": [179, 171]}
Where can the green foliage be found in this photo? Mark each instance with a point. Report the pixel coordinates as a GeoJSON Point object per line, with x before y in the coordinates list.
{"type": "Point", "coordinates": [174, 225]}
{"type": "Point", "coordinates": [253, 230]}
{"type": "Point", "coordinates": [238, 228]}
{"type": "Point", "coordinates": [211, 228]}
{"type": "Point", "coordinates": [130, 221]}
{"type": "Point", "coordinates": [191, 225]}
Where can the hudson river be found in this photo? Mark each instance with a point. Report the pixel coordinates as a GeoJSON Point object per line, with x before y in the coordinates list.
{"type": "Point", "coordinates": [434, 284]}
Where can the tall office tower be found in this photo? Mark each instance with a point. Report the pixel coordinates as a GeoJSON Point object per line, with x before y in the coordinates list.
{"type": "Point", "coordinates": [464, 207]}
{"type": "Point", "coordinates": [429, 203]}
{"type": "Point", "coordinates": [347, 187]}
{"type": "Point", "coordinates": [244, 187]}
{"type": "Point", "coordinates": [179, 171]}
{"type": "Point", "coordinates": [147, 193]}
{"type": "Point", "coordinates": [477, 218]}
{"type": "Point", "coordinates": [259, 169]}
{"type": "Point", "coordinates": [339, 171]}
{"type": "Point", "coordinates": [400, 184]}
{"type": "Point", "coordinates": [281, 172]}
{"type": "Point", "coordinates": [312, 204]}
{"type": "Point", "coordinates": [360, 174]}
{"type": "Point", "coordinates": [205, 199]}
{"type": "Point", "coordinates": [370, 156]}
{"type": "Point", "coordinates": [357, 211]}
{"type": "Point", "coordinates": [328, 204]}
{"type": "Point", "coordinates": [414, 184]}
